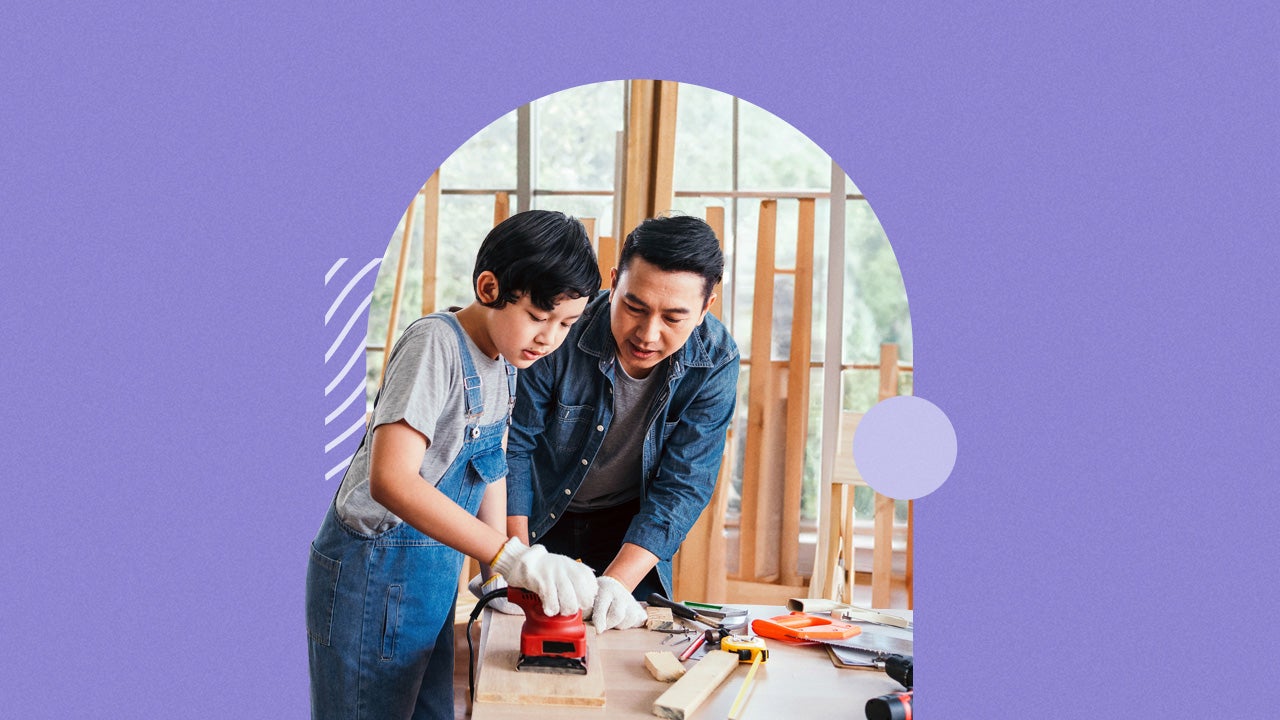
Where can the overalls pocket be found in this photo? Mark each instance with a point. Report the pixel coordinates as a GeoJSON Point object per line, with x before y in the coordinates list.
{"type": "Point", "coordinates": [322, 594]}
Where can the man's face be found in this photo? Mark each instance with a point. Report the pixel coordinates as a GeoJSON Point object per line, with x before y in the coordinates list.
{"type": "Point", "coordinates": [652, 313]}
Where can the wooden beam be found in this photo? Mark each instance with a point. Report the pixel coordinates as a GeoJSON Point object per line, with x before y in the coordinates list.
{"type": "Point", "coordinates": [590, 225]}
{"type": "Point", "coordinates": [888, 370]}
{"type": "Point", "coordinates": [430, 240]}
{"type": "Point", "coordinates": [797, 435]}
{"type": "Point", "coordinates": [607, 257]}
{"type": "Point", "coordinates": [401, 263]}
{"type": "Point", "coordinates": [639, 171]}
{"type": "Point", "coordinates": [882, 556]}
{"type": "Point", "coordinates": [715, 218]}
{"type": "Point", "coordinates": [682, 699]}
{"type": "Point", "coordinates": [501, 207]}
{"type": "Point", "coordinates": [759, 384]}
{"type": "Point", "coordinates": [661, 197]}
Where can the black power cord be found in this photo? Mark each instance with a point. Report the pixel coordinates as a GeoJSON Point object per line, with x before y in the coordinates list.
{"type": "Point", "coordinates": [471, 653]}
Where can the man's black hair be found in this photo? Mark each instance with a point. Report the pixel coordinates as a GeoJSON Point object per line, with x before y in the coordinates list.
{"type": "Point", "coordinates": [542, 253]}
{"type": "Point", "coordinates": [681, 243]}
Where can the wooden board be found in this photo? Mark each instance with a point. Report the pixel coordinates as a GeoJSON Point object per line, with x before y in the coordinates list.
{"type": "Point", "coordinates": [499, 682]}
{"type": "Point", "coordinates": [689, 692]}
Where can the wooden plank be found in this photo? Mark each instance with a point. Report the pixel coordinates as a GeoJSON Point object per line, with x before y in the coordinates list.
{"type": "Point", "coordinates": [715, 218]}
{"type": "Point", "coordinates": [882, 555]}
{"type": "Point", "coordinates": [661, 197]}
{"type": "Point", "coordinates": [717, 551]}
{"type": "Point", "coordinates": [501, 207]}
{"type": "Point", "coordinates": [430, 240]}
{"type": "Point", "coordinates": [888, 370]}
{"type": "Point", "coordinates": [758, 386]}
{"type": "Point", "coordinates": [499, 682]}
{"type": "Point", "coordinates": [682, 699]}
{"type": "Point", "coordinates": [911, 516]}
{"type": "Point", "coordinates": [750, 592]}
{"type": "Point", "coordinates": [797, 434]}
{"type": "Point", "coordinates": [638, 175]}
{"type": "Point", "coordinates": [401, 263]}
{"type": "Point", "coordinates": [663, 665]}
{"type": "Point", "coordinates": [607, 257]}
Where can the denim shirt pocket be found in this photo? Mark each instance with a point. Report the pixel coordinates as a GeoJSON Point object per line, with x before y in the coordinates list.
{"type": "Point", "coordinates": [565, 433]}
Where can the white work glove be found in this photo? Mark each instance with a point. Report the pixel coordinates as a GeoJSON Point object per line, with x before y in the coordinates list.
{"type": "Point", "coordinates": [481, 587]}
{"type": "Point", "coordinates": [564, 585]}
{"type": "Point", "coordinates": [615, 608]}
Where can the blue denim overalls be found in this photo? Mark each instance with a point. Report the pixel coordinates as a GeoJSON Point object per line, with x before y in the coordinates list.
{"type": "Point", "coordinates": [380, 607]}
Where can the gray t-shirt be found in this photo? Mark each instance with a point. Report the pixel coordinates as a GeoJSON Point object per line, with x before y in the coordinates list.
{"type": "Point", "coordinates": [423, 386]}
{"type": "Point", "coordinates": [614, 475]}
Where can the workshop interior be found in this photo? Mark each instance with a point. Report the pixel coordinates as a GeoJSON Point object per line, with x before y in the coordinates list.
{"type": "Point", "coordinates": [812, 293]}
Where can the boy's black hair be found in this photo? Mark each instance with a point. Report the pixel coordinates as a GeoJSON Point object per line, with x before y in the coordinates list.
{"type": "Point", "coordinates": [681, 243]}
{"type": "Point", "coordinates": [542, 253]}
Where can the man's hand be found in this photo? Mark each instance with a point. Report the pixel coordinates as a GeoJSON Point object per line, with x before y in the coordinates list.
{"type": "Point", "coordinates": [481, 587]}
{"type": "Point", "coordinates": [615, 608]}
{"type": "Point", "coordinates": [564, 585]}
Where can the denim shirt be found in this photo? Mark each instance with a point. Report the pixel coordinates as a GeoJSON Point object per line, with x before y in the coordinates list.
{"type": "Point", "coordinates": [564, 408]}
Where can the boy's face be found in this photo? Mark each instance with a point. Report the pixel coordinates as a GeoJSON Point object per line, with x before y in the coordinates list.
{"type": "Point", "coordinates": [524, 332]}
{"type": "Point", "coordinates": [652, 312]}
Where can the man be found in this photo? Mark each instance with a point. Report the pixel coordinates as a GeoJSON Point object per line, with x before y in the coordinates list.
{"type": "Point", "coordinates": [616, 440]}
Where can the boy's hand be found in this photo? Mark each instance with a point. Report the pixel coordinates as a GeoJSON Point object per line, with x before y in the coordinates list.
{"type": "Point", "coordinates": [564, 585]}
{"type": "Point", "coordinates": [481, 587]}
{"type": "Point", "coordinates": [615, 607]}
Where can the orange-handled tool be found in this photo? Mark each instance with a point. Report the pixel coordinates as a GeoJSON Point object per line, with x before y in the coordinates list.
{"type": "Point", "coordinates": [799, 627]}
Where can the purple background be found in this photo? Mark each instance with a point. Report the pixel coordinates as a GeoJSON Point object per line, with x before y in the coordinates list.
{"type": "Point", "coordinates": [1082, 201]}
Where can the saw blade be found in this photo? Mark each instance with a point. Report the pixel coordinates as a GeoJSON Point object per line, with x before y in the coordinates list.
{"type": "Point", "coordinates": [874, 642]}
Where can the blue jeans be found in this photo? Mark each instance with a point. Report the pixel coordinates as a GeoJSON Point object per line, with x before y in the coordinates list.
{"type": "Point", "coordinates": [380, 607]}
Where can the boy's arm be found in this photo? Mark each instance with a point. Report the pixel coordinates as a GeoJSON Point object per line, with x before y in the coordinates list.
{"type": "Point", "coordinates": [394, 482]}
{"type": "Point", "coordinates": [493, 512]}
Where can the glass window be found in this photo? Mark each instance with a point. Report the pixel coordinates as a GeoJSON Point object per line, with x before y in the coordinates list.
{"type": "Point", "coordinates": [487, 160]}
{"type": "Point", "coordinates": [576, 136]}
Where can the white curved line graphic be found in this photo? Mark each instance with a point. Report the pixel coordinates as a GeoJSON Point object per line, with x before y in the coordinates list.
{"type": "Point", "coordinates": [329, 275]}
{"type": "Point", "coordinates": [339, 467]}
{"type": "Point", "coordinates": [350, 284]}
{"type": "Point", "coordinates": [358, 392]}
{"type": "Point", "coordinates": [355, 355]}
{"type": "Point", "coordinates": [347, 328]}
{"type": "Point", "coordinates": [357, 425]}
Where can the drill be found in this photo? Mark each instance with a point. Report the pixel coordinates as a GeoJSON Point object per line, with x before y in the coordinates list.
{"type": "Point", "coordinates": [894, 706]}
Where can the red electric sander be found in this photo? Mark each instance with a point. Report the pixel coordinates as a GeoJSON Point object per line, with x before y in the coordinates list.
{"type": "Point", "coordinates": [549, 644]}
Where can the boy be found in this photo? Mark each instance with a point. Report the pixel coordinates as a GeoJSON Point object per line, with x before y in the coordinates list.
{"type": "Point", "coordinates": [383, 572]}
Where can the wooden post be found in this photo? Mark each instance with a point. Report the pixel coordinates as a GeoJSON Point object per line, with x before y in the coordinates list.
{"type": "Point", "coordinates": [797, 397]}
{"type": "Point", "coordinates": [501, 207]}
{"type": "Point", "coordinates": [760, 389]}
{"type": "Point", "coordinates": [650, 152]}
{"type": "Point", "coordinates": [882, 556]}
{"type": "Point", "coordinates": [401, 263]}
{"type": "Point", "coordinates": [715, 218]}
{"type": "Point", "coordinates": [430, 240]}
{"type": "Point", "coordinates": [607, 257]}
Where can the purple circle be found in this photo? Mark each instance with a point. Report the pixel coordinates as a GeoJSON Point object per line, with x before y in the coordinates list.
{"type": "Point", "coordinates": [905, 447]}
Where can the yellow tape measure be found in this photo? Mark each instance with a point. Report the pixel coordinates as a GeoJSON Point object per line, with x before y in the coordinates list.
{"type": "Point", "coordinates": [750, 649]}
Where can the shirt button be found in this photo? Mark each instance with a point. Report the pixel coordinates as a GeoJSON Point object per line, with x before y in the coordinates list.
{"type": "Point", "coordinates": [584, 461]}
{"type": "Point", "coordinates": [566, 491]}
{"type": "Point", "coordinates": [533, 534]}
{"type": "Point", "coordinates": [553, 516]}
{"type": "Point", "coordinates": [599, 428]}
{"type": "Point", "coordinates": [475, 432]}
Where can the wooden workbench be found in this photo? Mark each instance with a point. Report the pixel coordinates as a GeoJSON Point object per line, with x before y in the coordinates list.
{"type": "Point", "coordinates": [796, 681]}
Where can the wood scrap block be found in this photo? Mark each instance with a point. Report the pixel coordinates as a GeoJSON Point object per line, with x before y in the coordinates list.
{"type": "Point", "coordinates": [664, 666]}
{"type": "Point", "coordinates": [682, 699]}
{"type": "Point", "coordinates": [498, 681]}
{"type": "Point", "coordinates": [658, 616]}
